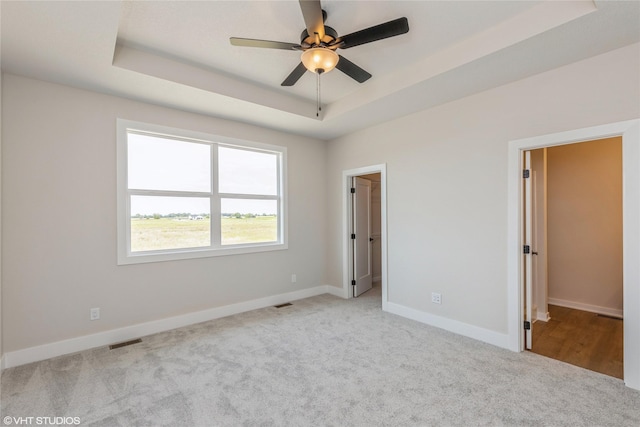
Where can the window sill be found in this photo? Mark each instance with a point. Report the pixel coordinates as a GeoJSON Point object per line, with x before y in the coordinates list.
{"type": "Point", "coordinates": [162, 256]}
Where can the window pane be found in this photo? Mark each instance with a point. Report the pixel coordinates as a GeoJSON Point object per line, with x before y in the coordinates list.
{"type": "Point", "coordinates": [247, 172]}
{"type": "Point", "coordinates": [249, 221]}
{"type": "Point", "coordinates": [157, 163]}
{"type": "Point", "coordinates": [169, 223]}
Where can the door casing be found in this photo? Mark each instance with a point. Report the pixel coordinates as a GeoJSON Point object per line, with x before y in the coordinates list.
{"type": "Point", "coordinates": [630, 133]}
{"type": "Point", "coordinates": [361, 228]}
{"type": "Point", "coordinates": [347, 250]}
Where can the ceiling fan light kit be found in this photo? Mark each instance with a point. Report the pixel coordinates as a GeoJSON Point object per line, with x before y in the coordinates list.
{"type": "Point", "coordinates": [319, 42]}
{"type": "Point", "coordinates": [320, 59]}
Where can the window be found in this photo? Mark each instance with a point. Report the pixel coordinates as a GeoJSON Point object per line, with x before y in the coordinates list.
{"type": "Point", "coordinates": [185, 194]}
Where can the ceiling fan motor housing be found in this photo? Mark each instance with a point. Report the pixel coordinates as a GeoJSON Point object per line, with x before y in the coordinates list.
{"type": "Point", "coordinates": [310, 41]}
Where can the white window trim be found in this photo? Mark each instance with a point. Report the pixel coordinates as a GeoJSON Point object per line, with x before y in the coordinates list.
{"type": "Point", "coordinates": [125, 256]}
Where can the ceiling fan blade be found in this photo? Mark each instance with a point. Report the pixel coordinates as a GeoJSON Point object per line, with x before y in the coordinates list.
{"type": "Point", "coordinates": [312, 14]}
{"type": "Point", "coordinates": [236, 41]}
{"type": "Point", "coordinates": [352, 70]}
{"type": "Point", "coordinates": [295, 75]}
{"type": "Point", "coordinates": [371, 34]}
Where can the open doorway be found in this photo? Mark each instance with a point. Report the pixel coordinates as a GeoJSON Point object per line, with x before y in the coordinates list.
{"type": "Point", "coordinates": [364, 225]}
{"type": "Point", "coordinates": [366, 233]}
{"type": "Point", "coordinates": [576, 254]}
{"type": "Point", "coordinates": [630, 132]}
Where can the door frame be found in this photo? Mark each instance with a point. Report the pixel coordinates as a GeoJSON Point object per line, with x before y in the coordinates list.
{"type": "Point", "coordinates": [630, 133]}
{"type": "Point", "coordinates": [527, 258]}
{"type": "Point", "coordinates": [347, 250]}
{"type": "Point", "coordinates": [361, 203]}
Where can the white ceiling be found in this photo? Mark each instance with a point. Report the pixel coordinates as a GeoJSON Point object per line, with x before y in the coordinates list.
{"type": "Point", "coordinates": [177, 53]}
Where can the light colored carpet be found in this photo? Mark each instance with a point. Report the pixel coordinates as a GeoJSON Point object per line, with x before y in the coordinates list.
{"type": "Point", "coordinates": [321, 361]}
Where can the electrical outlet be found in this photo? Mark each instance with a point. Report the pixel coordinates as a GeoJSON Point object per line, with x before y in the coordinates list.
{"type": "Point", "coordinates": [436, 298]}
{"type": "Point", "coordinates": [94, 314]}
{"type": "Point", "coordinates": [294, 279]}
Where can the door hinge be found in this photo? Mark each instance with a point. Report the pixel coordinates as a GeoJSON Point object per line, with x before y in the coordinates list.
{"type": "Point", "coordinates": [353, 236]}
{"type": "Point", "coordinates": [527, 325]}
{"type": "Point", "coordinates": [525, 173]}
{"type": "Point", "coordinates": [353, 190]}
{"type": "Point", "coordinates": [526, 249]}
{"type": "Point", "coordinates": [353, 283]}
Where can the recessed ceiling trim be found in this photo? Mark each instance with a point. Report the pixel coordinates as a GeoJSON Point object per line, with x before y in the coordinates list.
{"type": "Point", "coordinates": [72, 43]}
{"type": "Point", "coordinates": [532, 22]}
{"type": "Point", "coordinates": [154, 65]}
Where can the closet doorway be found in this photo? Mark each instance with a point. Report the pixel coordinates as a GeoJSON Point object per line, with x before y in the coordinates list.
{"type": "Point", "coordinates": [576, 295]}
{"type": "Point", "coordinates": [370, 229]}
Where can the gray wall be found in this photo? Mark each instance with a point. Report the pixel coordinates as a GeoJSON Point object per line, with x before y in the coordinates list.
{"type": "Point", "coordinates": [585, 225]}
{"type": "Point", "coordinates": [1, 331]}
{"type": "Point", "coordinates": [447, 203]}
{"type": "Point", "coordinates": [447, 181]}
{"type": "Point", "coordinates": [59, 217]}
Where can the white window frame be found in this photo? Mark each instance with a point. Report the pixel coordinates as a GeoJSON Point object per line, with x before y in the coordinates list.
{"type": "Point", "coordinates": [125, 256]}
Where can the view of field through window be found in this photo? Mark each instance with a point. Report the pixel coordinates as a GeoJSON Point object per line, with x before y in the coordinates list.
{"type": "Point", "coordinates": [150, 234]}
{"type": "Point", "coordinates": [172, 194]}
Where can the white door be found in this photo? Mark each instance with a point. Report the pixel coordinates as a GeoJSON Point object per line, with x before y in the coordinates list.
{"type": "Point", "coordinates": [535, 244]}
{"type": "Point", "coordinates": [361, 235]}
{"type": "Point", "coordinates": [527, 237]}
{"type": "Point", "coordinates": [539, 248]}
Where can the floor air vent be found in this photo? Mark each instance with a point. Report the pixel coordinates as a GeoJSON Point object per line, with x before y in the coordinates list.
{"type": "Point", "coordinates": [124, 344]}
{"type": "Point", "coordinates": [286, 304]}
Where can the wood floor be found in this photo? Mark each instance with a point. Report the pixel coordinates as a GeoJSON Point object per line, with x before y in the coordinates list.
{"type": "Point", "coordinates": [581, 338]}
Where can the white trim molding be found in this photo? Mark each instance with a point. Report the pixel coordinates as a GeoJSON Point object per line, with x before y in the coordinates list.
{"type": "Point", "coordinates": [73, 345]}
{"type": "Point", "coordinates": [127, 129]}
{"type": "Point", "coordinates": [612, 312]}
{"type": "Point", "coordinates": [630, 132]}
{"type": "Point", "coordinates": [542, 316]}
{"type": "Point", "coordinates": [339, 292]}
{"type": "Point", "coordinates": [346, 217]}
{"type": "Point", "coordinates": [455, 326]}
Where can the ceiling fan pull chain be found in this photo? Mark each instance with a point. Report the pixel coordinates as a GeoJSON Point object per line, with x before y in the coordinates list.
{"type": "Point", "coordinates": [318, 105]}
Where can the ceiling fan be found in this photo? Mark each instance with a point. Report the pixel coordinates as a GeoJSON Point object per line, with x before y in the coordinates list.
{"type": "Point", "coordinates": [318, 43]}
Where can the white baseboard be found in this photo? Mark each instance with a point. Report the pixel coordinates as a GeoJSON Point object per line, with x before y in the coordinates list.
{"type": "Point", "coordinates": [613, 312]}
{"type": "Point", "coordinates": [376, 279]}
{"type": "Point", "coordinates": [339, 292]}
{"type": "Point", "coordinates": [460, 328]}
{"type": "Point", "coordinates": [2, 363]}
{"type": "Point", "coordinates": [542, 316]}
{"type": "Point", "coordinates": [73, 345]}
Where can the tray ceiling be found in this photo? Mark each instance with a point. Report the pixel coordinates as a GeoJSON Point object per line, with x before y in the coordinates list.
{"type": "Point", "coordinates": [178, 53]}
